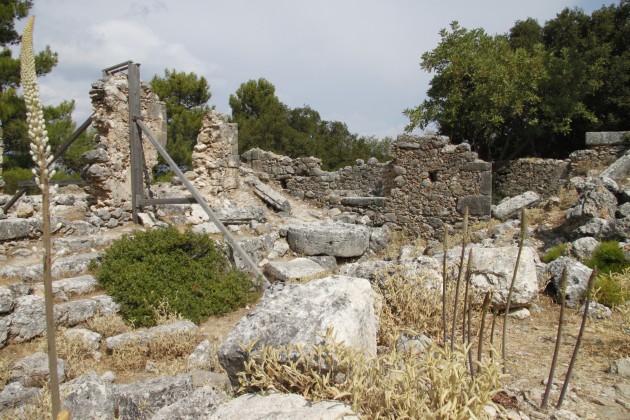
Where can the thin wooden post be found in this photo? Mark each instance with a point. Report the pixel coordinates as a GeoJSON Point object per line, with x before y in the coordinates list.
{"type": "Point", "coordinates": [135, 144]}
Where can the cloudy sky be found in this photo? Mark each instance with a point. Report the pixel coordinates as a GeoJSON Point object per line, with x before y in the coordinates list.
{"type": "Point", "coordinates": [355, 61]}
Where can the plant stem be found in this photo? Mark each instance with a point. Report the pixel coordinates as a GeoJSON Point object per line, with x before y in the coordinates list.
{"type": "Point", "coordinates": [565, 386]}
{"type": "Point", "coordinates": [444, 322]}
{"type": "Point", "coordinates": [466, 303]}
{"type": "Point", "coordinates": [459, 276]}
{"type": "Point", "coordinates": [484, 311]}
{"type": "Point", "coordinates": [509, 298]}
{"type": "Point", "coordinates": [556, 350]}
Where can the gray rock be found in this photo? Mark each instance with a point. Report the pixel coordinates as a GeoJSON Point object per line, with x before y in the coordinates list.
{"type": "Point", "coordinates": [200, 404]}
{"type": "Point", "coordinates": [336, 239]}
{"type": "Point", "coordinates": [577, 279]}
{"type": "Point", "coordinates": [493, 268]}
{"type": "Point", "coordinates": [32, 371]}
{"type": "Point", "coordinates": [15, 394]}
{"type": "Point", "coordinates": [257, 248]}
{"type": "Point", "coordinates": [379, 238]}
{"type": "Point", "coordinates": [6, 300]}
{"type": "Point", "coordinates": [327, 262]}
{"type": "Point", "coordinates": [144, 336]}
{"type": "Point", "coordinates": [75, 312]}
{"type": "Point", "coordinates": [606, 138]}
{"type": "Point", "coordinates": [596, 310]}
{"type": "Point", "coordinates": [14, 229]}
{"type": "Point", "coordinates": [583, 248]}
{"type": "Point", "coordinates": [72, 286]}
{"type": "Point", "coordinates": [511, 206]}
{"type": "Point", "coordinates": [90, 397]}
{"type": "Point", "coordinates": [417, 344]}
{"type": "Point", "coordinates": [80, 228]}
{"type": "Point", "coordinates": [201, 357]}
{"type": "Point", "coordinates": [73, 265]}
{"type": "Point", "coordinates": [231, 215]}
{"type": "Point", "coordinates": [595, 201]}
{"type": "Point", "coordinates": [5, 325]}
{"type": "Point", "coordinates": [620, 367]}
{"type": "Point", "coordinates": [206, 228]}
{"type": "Point", "coordinates": [29, 318]}
{"type": "Point", "coordinates": [426, 269]}
{"type": "Point", "coordinates": [91, 339]}
{"type": "Point", "coordinates": [141, 400]}
{"type": "Point", "coordinates": [271, 197]}
{"type": "Point", "coordinates": [105, 305]}
{"type": "Point", "coordinates": [619, 169]}
{"type": "Point", "coordinates": [623, 211]}
{"type": "Point", "coordinates": [301, 314]}
{"type": "Point", "coordinates": [24, 211]}
{"type": "Point", "coordinates": [596, 227]}
{"type": "Point", "coordinates": [281, 406]}
{"type": "Point", "coordinates": [296, 269]}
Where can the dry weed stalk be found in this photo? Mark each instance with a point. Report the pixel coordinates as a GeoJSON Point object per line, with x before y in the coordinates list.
{"type": "Point", "coordinates": [509, 297]}
{"type": "Point", "coordinates": [556, 349]}
{"type": "Point", "coordinates": [459, 275]}
{"type": "Point", "coordinates": [589, 293]}
{"type": "Point", "coordinates": [444, 320]}
{"type": "Point", "coordinates": [484, 310]}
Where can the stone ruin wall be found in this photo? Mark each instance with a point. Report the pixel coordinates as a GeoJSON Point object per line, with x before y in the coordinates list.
{"type": "Point", "coordinates": [548, 176]}
{"type": "Point", "coordinates": [215, 157]}
{"type": "Point", "coordinates": [303, 177]}
{"type": "Point", "coordinates": [108, 173]}
{"type": "Point", "coordinates": [433, 181]}
{"type": "Point", "coordinates": [1, 154]}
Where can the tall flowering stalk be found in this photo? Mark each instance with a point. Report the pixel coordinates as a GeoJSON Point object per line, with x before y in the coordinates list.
{"type": "Point", "coordinates": [41, 154]}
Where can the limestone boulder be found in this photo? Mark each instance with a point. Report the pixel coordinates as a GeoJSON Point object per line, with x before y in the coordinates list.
{"type": "Point", "coordinates": [14, 229]}
{"type": "Point", "coordinates": [577, 280]}
{"type": "Point", "coordinates": [584, 247]}
{"type": "Point", "coordinates": [323, 238]}
{"type": "Point", "coordinates": [201, 403]}
{"type": "Point", "coordinates": [301, 314]}
{"type": "Point", "coordinates": [15, 394]}
{"type": "Point", "coordinates": [511, 206]}
{"type": "Point", "coordinates": [90, 397]}
{"type": "Point", "coordinates": [493, 269]}
{"type": "Point", "coordinates": [140, 400]}
{"type": "Point", "coordinates": [32, 371]}
{"type": "Point", "coordinates": [424, 269]}
{"type": "Point", "coordinates": [281, 406]}
{"type": "Point", "coordinates": [296, 269]}
{"type": "Point", "coordinates": [144, 336]}
{"type": "Point", "coordinates": [595, 201]}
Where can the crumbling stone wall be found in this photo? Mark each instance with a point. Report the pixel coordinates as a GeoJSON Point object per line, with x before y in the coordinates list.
{"type": "Point", "coordinates": [304, 178]}
{"type": "Point", "coordinates": [544, 176]}
{"type": "Point", "coordinates": [603, 148]}
{"type": "Point", "coordinates": [1, 154]}
{"type": "Point", "coordinates": [432, 181]}
{"type": "Point", "coordinates": [108, 173]}
{"type": "Point", "coordinates": [215, 157]}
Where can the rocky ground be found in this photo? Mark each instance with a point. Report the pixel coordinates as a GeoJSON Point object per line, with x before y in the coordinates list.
{"type": "Point", "coordinates": [286, 244]}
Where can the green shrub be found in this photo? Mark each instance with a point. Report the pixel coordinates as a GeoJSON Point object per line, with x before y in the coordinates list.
{"type": "Point", "coordinates": [613, 289]}
{"type": "Point", "coordinates": [608, 257]}
{"type": "Point", "coordinates": [165, 177]}
{"type": "Point", "coordinates": [555, 252]}
{"type": "Point", "coordinates": [14, 175]}
{"type": "Point", "coordinates": [188, 271]}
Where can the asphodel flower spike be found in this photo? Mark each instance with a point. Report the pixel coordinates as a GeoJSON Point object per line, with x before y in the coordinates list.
{"type": "Point", "coordinates": [40, 150]}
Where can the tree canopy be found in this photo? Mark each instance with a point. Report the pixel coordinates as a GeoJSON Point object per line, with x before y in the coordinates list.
{"type": "Point", "coordinates": [12, 108]}
{"type": "Point", "coordinates": [265, 122]}
{"type": "Point", "coordinates": [533, 91]}
{"type": "Point", "coordinates": [186, 96]}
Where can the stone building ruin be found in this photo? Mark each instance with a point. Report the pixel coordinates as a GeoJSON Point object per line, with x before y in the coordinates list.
{"type": "Point", "coordinates": [427, 184]}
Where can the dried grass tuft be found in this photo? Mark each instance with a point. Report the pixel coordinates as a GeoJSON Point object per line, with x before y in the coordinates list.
{"type": "Point", "coordinates": [108, 325]}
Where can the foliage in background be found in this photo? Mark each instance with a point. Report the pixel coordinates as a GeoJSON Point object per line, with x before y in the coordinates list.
{"type": "Point", "coordinates": [533, 91]}
{"type": "Point", "coordinates": [265, 122]}
{"type": "Point", "coordinates": [608, 257]}
{"type": "Point", "coordinates": [186, 96]}
{"type": "Point", "coordinates": [555, 252]}
{"type": "Point", "coordinates": [188, 271]}
{"type": "Point", "coordinates": [12, 108]}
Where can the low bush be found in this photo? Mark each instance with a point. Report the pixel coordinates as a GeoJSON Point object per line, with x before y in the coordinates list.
{"type": "Point", "coordinates": [608, 257]}
{"type": "Point", "coordinates": [188, 271]}
{"type": "Point", "coordinates": [555, 252]}
{"type": "Point", "coordinates": [613, 289]}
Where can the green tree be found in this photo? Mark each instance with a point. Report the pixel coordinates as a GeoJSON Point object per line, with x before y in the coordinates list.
{"type": "Point", "coordinates": [186, 96]}
{"type": "Point", "coordinates": [12, 108]}
{"type": "Point", "coordinates": [483, 91]}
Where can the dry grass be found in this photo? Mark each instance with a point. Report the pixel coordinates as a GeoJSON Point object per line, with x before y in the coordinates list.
{"type": "Point", "coordinates": [391, 385]}
{"type": "Point", "coordinates": [76, 353]}
{"type": "Point", "coordinates": [5, 372]}
{"type": "Point", "coordinates": [108, 325]}
{"type": "Point", "coordinates": [165, 355]}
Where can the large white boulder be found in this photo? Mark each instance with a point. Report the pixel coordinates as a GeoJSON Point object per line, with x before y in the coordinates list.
{"type": "Point", "coordinates": [324, 238]}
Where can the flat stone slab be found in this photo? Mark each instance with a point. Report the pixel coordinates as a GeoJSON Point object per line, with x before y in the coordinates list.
{"type": "Point", "coordinates": [14, 229]}
{"type": "Point", "coordinates": [324, 238]}
{"type": "Point", "coordinates": [271, 197]}
{"type": "Point", "coordinates": [510, 207]}
{"type": "Point", "coordinates": [296, 269]}
{"type": "Point", "coordinates": [301, 314]}
{"type": "Point", "coordinates": [144, 336]}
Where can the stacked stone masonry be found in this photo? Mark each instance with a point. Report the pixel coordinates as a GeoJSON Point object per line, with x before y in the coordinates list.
{"type": "Point", "coordinates": [433, 181]}
{"type": "Point", "coordinates": [108, 173]}
{"type": "Point", "coordinates": [544, 176]}
{"type": "Point", "coordinates": [215, 157]}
